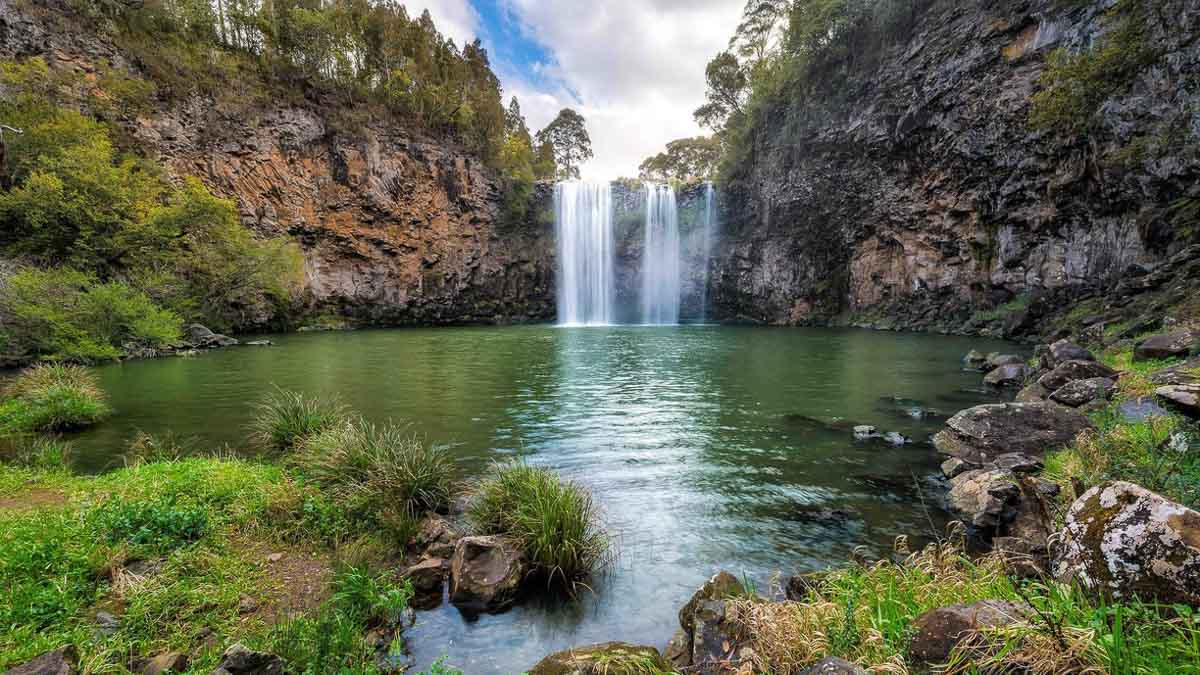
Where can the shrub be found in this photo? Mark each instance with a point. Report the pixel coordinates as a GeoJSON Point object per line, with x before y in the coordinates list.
{"type": "Point", "coordinates": [67, 315]}
{"type": "Point", "coordinates": [555, 521]}
{"type": "Point", "coordinates": [286, 418]}
{"type": "Point", "coordinates": [385, 471]}
{"type": "Point", "coordinates": [52, 397]}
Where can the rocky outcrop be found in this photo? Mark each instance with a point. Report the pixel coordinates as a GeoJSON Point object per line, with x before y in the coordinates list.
{"type": "Point", "coordinates": [486, 574]}
{"type": "Point", "coordinates": [1124, 540]}
{"type": "Point", "coordinates": [981, 434]}
{"type": "Point", "coordinates": [395, 227]}
{"type": "Point", "coordinates": [917, 194]}
{"type": "Point", "coordinates": [609, 658]}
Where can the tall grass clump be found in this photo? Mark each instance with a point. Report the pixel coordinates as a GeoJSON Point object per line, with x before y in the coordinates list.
{"type": "Point", "coordinates": [555, 521]}
{"type": "Point", "coordinates": [50, 398]}
{"type": "Point", "coordinates": [382, 472]}
{"type": "Point", "coordinates": [286, 418]}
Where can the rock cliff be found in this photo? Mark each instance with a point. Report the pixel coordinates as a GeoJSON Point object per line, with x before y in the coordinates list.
{"type": "Point", "coordinates": [396, 228]}
{"type": "Point", "coordinates": [927, 199]}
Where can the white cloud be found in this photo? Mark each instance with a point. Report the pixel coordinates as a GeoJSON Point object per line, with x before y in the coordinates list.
{"type": "Point", "coordinates": [456, 19]}
{"type": "Point", "coordinates": [636, 65]}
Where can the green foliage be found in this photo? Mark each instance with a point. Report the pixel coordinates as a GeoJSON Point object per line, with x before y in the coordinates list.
{"type": "Point", "coordinates": [285, 419]}
{"type": "Point", "coordinates": [555, 521]}
{"type": "Point", "coordinates": [67, 315]}
{"type": "Point", "coordinates": [49, 398]}
{"type": "Point", "coordinates": [383, 473]}
{"type": "Point", "coordinates": [567, 134]}
{"type": "Point", "coordinates": [1074, 85]}
{"type": "Point", "coordinates": [685, 159]}
{"type": "Point", "coordinates": [159, 525]}
{"type": "Point", "coordinates": [40, 453]}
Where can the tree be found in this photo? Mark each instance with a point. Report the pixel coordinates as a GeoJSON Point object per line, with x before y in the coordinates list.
{"type": "Point", "coordinates": [761, 30]}
{"type": "Point", "coordinates": [568, 137]}
{"type": "Point", "coordinates": [728, 86]}
{"type": "Point", "coordinates": [685, 159]}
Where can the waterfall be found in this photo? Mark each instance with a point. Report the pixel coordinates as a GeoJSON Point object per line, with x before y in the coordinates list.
{"type": "Point", "coordinates": [583, 220]}
{"type": "Point", "coordinates": [710, 224]}
{"type": "Point", "coordinates": [660, 263]}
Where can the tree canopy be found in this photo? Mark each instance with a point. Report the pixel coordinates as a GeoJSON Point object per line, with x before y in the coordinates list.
{"type": "Point", "coordinates": [567, 135]}
{"type": "Point", "coordinates": [684, 159]}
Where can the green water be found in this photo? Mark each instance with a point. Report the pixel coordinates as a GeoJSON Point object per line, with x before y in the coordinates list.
{"type": "Point", "coordinates": [696, 441]}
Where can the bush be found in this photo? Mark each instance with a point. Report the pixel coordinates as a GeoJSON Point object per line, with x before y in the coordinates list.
{"type": "Point", "coordinates": [52, 397]}
{"type": "Point", "coordinates": [67, 315]}
{"type": "Point", "coordinates": [555, 521]}
{"type": "Point", "coordinates": [286, 418]}
{"type": "Point", "coordinates": [384, 471]}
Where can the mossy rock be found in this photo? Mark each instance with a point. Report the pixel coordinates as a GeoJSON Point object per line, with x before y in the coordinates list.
{"type": "Point", "coordinates": [608, 658]}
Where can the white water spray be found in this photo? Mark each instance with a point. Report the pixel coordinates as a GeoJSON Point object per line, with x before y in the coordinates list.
{"type": "Point", "coordinates": [660, 262]}
{"type": "Point", "coordinates": [586, 287]}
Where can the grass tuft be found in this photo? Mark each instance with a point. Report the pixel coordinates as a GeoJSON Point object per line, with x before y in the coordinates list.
{"type": "Point", "coordinates": [555, 521]}
{"type": "Point", "coordinates": [50, 398]}
{"type": "Point", "coordinates": [286, 418]}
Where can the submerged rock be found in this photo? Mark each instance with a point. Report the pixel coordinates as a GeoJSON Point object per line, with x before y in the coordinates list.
{"type": "Point", "coordinates": [974, 360]}
{"type": "Point", "coordinates": [937, 632]}
{"type": "Point", "coordinates": [1124, 540]}
{"type": "Point", "coordinates": [486, 574]}
{"type": "Point", "coordinates": [981, 434]}
{"type": "Point", "coordinates": [608, 658]}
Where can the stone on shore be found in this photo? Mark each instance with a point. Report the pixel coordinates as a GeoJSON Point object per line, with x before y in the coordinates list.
{"type": "Point", "coordinates": [981, 434]}
{"type": "Point", "coordinates": [609, 658]}
{"type": "Point", "coordinates": [1062, 351]}
{"type": "Point", "coordinates": [1069, 371]}
{"type": "Point", "coordinates": [835, 666]}
{"type": "Point", "coordinates": [1178, 343]}
{"type": "Point", "coordinates": [239, 660]}
{"type": "Point", "coordinates": [938, 631]}
{"type": "Point", "coordinates": [201, 337]}
{"type": "Point", "coordinates": [1184, 397]}
{"type": "Point", "coordinates": [1082, 392]}
{"type": "Point", "coordinates": [1007, 375]}
{"type": "Point", "coordinates": [61, 661]}
{"type": "Point", "coordinates": [1124, 540]}
{"type": "Point", "coordinates": [486, 574]}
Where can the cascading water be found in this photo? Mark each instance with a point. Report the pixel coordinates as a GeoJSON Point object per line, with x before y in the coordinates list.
{"type": "Point", "coordinates": [586, 287]}
{"type": "Point", "coordinates": [660, 263]}
{"type": "Point", "coordinates": [710, 226]}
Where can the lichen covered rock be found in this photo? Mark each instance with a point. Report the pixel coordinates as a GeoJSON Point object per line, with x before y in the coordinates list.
{"type": "Point", "coordinates": [978, 435]}
{"type": "Point", "coordinates": [1124, 540]}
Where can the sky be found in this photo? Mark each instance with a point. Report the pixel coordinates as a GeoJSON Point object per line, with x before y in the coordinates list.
{"type": "Point", "coordinates": [633, 68]}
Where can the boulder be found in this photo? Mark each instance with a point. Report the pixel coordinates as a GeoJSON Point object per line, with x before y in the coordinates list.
{"type": "Point", "coordinates": [1069, 371]}
{"type": "Point", "coordinates": [609, 658]}
{"type": "Point", "coordinates": [427, 577]}
{"type": "Point", "coordinates": [974, 360]}
{"type": "Point", "coordinates": [239, 660]}
{"type": "Point", "coordinates": [1184, 397]}
{"type": "Point", "coordinates": [170, 662]}
{"type": "Point", "coordinates": [1032, 393]}
{"type": "Point", "coordinates": [1007, 375]}
{"type": "Point", "coordinates": [1062, 351]}
{"type": "Point", "coordinates": [1178, 343]}
{"type": "Point", "coordinates": [937, 632]}
{"type": "Point", "coordinates": [954, 467]}
{"type": "Point", "coordinates": [984, 500]}
{"type": "Point", "coordinates": [697, 628]}
{"type": "Point", "coordinates": [997, 360]}
{"type": "Point", "coordinates": [835, 666]}
{"type": "Point", "coordinates": [1187, 372]}
{"type": "Point", "coordinates": [200, 336]}
{"type": "Point", "coordinates": [1124, 540]}
{"type": "Point", "coordinates": [1081, 392]}
{"type": "Point", "coordinates": [486, 574]}
{"type": "Point", "coordinates": [61, 661]}
{"type": "Point", "coordinates": [978, 435]}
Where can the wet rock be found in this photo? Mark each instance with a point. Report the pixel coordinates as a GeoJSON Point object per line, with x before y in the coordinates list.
{"type": "Point", "coordinates": [203, 338]}
{"type": "Point", "coordinates": [260, 343]}
{"type": "Point", "coordinates": [485, 574]}
{"type": "Point", "coordinates": [1070, 371]}
{"type": "Point", "coordinates": [170, 662]}
{"type": "Point", "coordinates": [1183, 397]}
{"type": "Point", "coordinates": [1137, 410]}
{"type": "Point", "coordinates": [721, 586]}
{"type": "Point", "coordinates": [954, 467]}
{"type": "Point", "coordinates": [1032, 393]}
{"type": "Point", "coordinates": [1008, 375]}
{"type": "Point", "coordinates": [1081, 392]}
{"type": "Point", "coordinates": [984, 500]}
{"type": "Point", "coordinates": [1062, 351]}
{"type": "Point", "coordinates": [609, 658]}
{"type": "Point", "coordinates": [714, 641]}
{"type": "Point", "coordinates": [61, 661]}
{"type": "Point", "coordinates": [974, 360]}
{"type": "Point", "coordinates": [1122, 539]}
{"type": "Point", "coordinates": [978, 435]}
{"type": "Point", "coordinates": [938, 631]}
{"type": "Point", "coordinates": [896, 438]}
{"type": "Point", "coordinates": [427, 577]}
{"type": "Point", "coordinates": [998, 360]}
{"type": "Point", "coordinates": [835, 666]}
{"type": "Point", "coordinates": [825, 515]}
{"type": "Point", "coordinates": [1178, 343]}
{"type": "Point", "coordinates": [436, 537]}
{"type": "Point", "coordinates": [865, 432]}
{"type": "Point", "coordinates": [239, 660]}
{"type": "Point", "coordinates": [679, 649]}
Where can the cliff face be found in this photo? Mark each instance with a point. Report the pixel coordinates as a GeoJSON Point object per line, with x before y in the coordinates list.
{"type": "Point", "coordinates": [395, 228]}
{"type": "Point", "coordinates": [928, 197]}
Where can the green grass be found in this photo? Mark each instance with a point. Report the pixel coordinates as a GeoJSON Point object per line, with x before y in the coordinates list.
{"type": "Point", "coordinates": [1017, 304]}
{"type": "Point", "coordinates": [50, 398]}
{"type": "Point", "coordinates": [555, 521]}
{"type": "Point", "coordinates": [382, 473]}
{"type": "Point", "coordinates": [286, 418]}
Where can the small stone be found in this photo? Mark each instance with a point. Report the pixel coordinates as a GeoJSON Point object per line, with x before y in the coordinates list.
{"type": "Point", "coordinates": [107, 625]}
{"type": "Point", "coordinates": [865, 432]}
{"type": "Point", "coordinates": [170, 662]}
{"type": "Point", "coordinates": [247, 605]}
{"type": "Point", "coordinates": [938, 631]}
{"type": "Point", "coordinates": [238, 660]}
{"type": "Point", "coordinates": [896, 438]}
{"type": "Point", "coordinates": [835, 666]}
